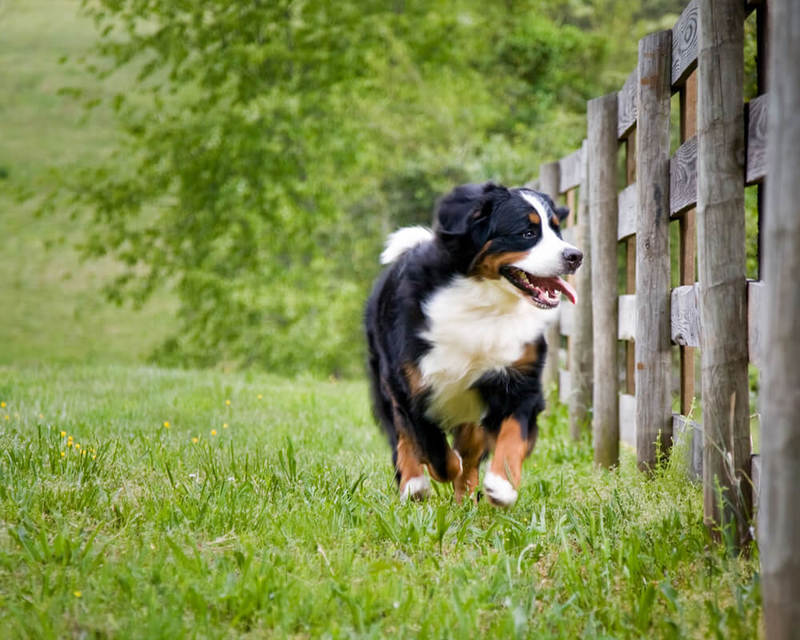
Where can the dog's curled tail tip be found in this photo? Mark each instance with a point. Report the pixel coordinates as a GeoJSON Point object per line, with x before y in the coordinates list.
{"type": "Point", "coordinates": [403, 240]}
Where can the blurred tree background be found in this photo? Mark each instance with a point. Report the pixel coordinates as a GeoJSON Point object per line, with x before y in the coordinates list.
{"type": "Point", "coordinates": [270, 145]}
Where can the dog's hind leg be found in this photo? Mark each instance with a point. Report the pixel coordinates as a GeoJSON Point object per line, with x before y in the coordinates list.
{"type": "Point", "coordinates": [470, 442]}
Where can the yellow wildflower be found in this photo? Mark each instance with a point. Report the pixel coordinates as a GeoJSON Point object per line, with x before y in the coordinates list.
{"type": "Point", "coordinates": [63, 434]}
{"type": "Point", "coordinates": [166, 425]}
{"type": "Point", "coordinates": [195, 440]}
{"type": "Point", "coordinates": [224, 425]}
{"type": "Point", "coordinates": [63, 454]}
{"type": "Point", "coordinates": [213, 432]}
{"type": "Point", "coordinates": [77, 447]}
{"type": "Point", "coordinates": [41, 416]}
{"type": "Point", "coordinates": [2, 405]}
{"type": "Point", "coordinates": [260, 396]}
{"type": "Point", "coordinates": [77, 594]}
{"type": "Point", "coordinates": [94, 457]}
{"type": "Point", "coordinates": [228, 403]}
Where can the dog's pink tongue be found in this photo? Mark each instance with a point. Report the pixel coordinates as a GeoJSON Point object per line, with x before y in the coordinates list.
{"type": "Point", "coordinates": [565, 288]}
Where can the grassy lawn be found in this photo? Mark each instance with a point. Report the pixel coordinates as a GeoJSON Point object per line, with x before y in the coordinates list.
{"type": "Point", "coordinates": [267, 508]}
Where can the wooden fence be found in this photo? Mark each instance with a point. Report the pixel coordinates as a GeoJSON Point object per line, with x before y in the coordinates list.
{"type": "Point", "coordinates": [626, 393]}
{"type": "Point", "coordinates": [615, 370]}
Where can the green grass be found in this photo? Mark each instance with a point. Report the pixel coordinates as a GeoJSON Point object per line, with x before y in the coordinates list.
{"type": "Point", "coordinates": [53, 308]}
{"type": "Point", "coordinates": [287, 524]}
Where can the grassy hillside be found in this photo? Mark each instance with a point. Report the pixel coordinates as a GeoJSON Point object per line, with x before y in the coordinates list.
{"type": "Point", "coordinates": [139, 502]}
{"type": "Point", "coordinates": [52, 307]}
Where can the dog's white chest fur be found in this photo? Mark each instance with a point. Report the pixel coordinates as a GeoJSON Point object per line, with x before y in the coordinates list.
{"type": "Point", "coordinates": [474, 327]}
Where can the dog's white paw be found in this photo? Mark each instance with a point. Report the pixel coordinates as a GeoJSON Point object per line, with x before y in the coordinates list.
{"type": "Point", "coordinates": [416, 488]}
{"type": "Point", "coordinates": [499, 490]}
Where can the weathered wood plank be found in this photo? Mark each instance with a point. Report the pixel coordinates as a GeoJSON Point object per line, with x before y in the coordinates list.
{"type": "Point", "coordinates": [685, 316]}
{"type": "Point", "coordinates": [630, 262]}
{"type": "Point", "coordinates": [683, 177]}
{"type": "Point", "coordinates": [571, 170]}
{"type": "Point", "coordinates": [626, 206]}
{"type": "Point", "coordinates": [779, 520]}
{"type": "Point", "coordinates": [602, 156]}
{"type": "Point", "coordinates": [626, 329]}
{"type": "Point", "coordinates": [627, 419]}
{"type": "Point", "coordinates": [683, 427]}
{"type": "Point", "coordinates": [652, 348]}
{"type": "Point", "coordinates": [721, 258]}
{"type": "Point", "coordinates": [532, 184]}
{"type": "Point", "coordinates": [756, 139]}
{"type": "Point", "coordinates": [548, 183]}
{"type": "Point", "coordinates": [755, 472]}
{"type": "Point", "coordinates": [684, 44]}
{"type": "Point", "coordinates": [626, 104]}
{"type": "Point", "coordinates": [566, 318]}
{"type": "Point", "coordinates": [580, 355]}
{"type": "Point", "coordinates": [571, 235]}
{"type": "Point", "coordinates": [564, 385]}
{"type": "Point", "coordinates": [756, 298]}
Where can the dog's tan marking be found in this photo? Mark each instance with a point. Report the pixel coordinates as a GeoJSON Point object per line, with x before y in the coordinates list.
{"type": "Point", "coordinates": [529, 357]}
{"type": "Point", "coordinates": [470, 442]}
{"type": "Point", "coordinates": [488, 266]}
{"type": "Point", "coordinates": [413, 377]}
{"type": "Point", "coordinates": [555, 221]}
{"type": "Point", "coordinates": [408, 464]}
{"type": "Point", "coordinates": [509, 452]}
{"type": "Point", "coordinates": [534, 218]}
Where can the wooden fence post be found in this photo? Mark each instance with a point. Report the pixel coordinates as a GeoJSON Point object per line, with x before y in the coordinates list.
{"type": "Point", "coordinates": [602, 162]}
{"type": "Point", "coordinates": [652, 342]}
{"type": "Point", "coordinates": [580, 353]}
{"type": "Point", "coordinates": [779, 512]}
{"type": "Point", "coordinates": [721, 261]}
{"type": "Point", "coordinates": [549, 175]}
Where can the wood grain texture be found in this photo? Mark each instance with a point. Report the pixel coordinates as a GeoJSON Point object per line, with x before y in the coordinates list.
{"type": "Point", "coordinates": [564, 385]}
{"type": "Point", "coordinates": [626, 105]}
{"type": "Point", "coordinates": [627, 419]}
{"type": "Point", "coordinates": [756, 299]}
{"type": "Point", "coordinates": [626, 328]}
{"type": "Point", "coordinates": [626, 205]}
{"type": "Point", "coordinates": [692, 434]}
{"type": "Point", "coordinates": [721, 262]}
{"type": "Point", "coordinates": [580, 355]}
{"type": "Point", "coordinates": [652, 349]}
{"type": "Point", "coordinates": [756, 165]}
{"type": "Point", "coordinates": [571, 170]}
{"type": "Point", "coordinates": [548, 183]}
{"type": "Point", "coordinates": [683, 177]}
{"type": "Point", "coordinates": [779, 528]}
{"type": "Point", "coordinates": [602, 155]}
{"type": "Point", "coordinates": [685, 316]}
{"type": "Point", "coordinates": [684, 44]}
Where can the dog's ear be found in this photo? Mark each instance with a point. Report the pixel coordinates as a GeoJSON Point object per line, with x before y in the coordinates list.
{"type": "Point", "coordinates": [464, 208]}
{"type": "Point", "coordinates": [562, 213]}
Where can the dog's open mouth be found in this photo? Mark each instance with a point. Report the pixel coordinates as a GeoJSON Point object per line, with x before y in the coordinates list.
{"type": "Point", "coordinates": [543, 292]}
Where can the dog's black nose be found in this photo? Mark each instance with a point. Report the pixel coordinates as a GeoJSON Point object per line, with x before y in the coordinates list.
{"type": "Point", "coordinates": [572, 258]}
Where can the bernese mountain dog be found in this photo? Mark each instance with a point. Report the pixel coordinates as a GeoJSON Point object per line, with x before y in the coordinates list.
{"type": "Point", "coordinates": [455, 330]}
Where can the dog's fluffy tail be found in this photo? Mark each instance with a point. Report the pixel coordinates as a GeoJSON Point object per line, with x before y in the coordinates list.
{"type": "Point", "coordinates": [402, 240]}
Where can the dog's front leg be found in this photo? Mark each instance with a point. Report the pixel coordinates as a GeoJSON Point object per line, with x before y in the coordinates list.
{"type": "Point", "coordinates": [512, 446]}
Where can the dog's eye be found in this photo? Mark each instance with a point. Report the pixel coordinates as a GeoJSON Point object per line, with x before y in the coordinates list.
{"type": "Point", "coordinates": [530, 233]}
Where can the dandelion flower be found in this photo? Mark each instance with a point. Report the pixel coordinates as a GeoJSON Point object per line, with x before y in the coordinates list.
{"type": "Point", "coordinates": [195, 440]}
{"type": "Point", "coordinates": [2, 405]}
{"type": "Point", "coordinates": [213, 432]}
{"type": "Point", "coordinates": [224, 425]}
{"type": "Point", "coordinates": [77, 447]}
{"type": "Point", "coordinates": [63, 434]}
{"type": "Point", "coordinates": [77, 594]}
{"type": "Point", "coordinates": [94, 457]}
{"type": "Point", "coordinates": [228, 403]}
{"type": "Point", "coordinates": [7, 418]}
{"type": "Point", "coordinates": [41, 416]}
{"type": "Point", "coordinates": [63, 454]}
{"type": "Point", "coordinates": [166, 424]}
{"type": "Point", "coordinates": [259, 396]}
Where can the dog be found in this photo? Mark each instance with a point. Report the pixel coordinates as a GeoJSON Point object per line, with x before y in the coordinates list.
{"type": "Point", "coordinates": [455, 337]}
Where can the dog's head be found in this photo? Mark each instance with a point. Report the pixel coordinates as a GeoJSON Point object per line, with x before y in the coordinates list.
{"type": "Point", "coordinates": [509, 235]}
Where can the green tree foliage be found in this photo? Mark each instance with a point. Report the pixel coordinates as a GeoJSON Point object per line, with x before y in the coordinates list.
{"type": "Point", "coordinates": [271, 144]}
